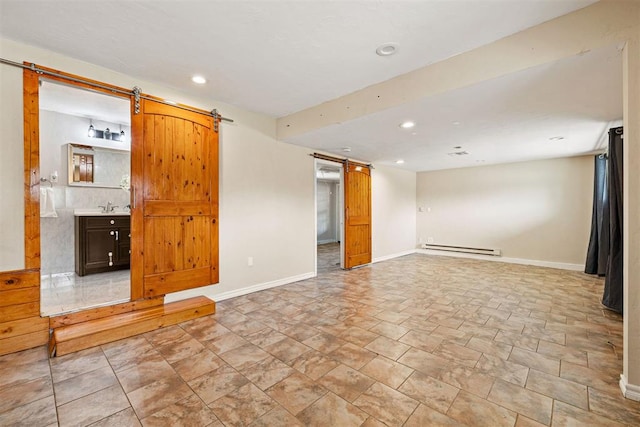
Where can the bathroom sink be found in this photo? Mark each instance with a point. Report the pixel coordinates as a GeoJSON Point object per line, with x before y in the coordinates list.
{"type": "Point", "coordinates": [98, 212]}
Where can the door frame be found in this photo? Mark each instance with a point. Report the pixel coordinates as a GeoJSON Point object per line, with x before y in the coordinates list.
{"type": "Point", "coordinates": [340, 207]}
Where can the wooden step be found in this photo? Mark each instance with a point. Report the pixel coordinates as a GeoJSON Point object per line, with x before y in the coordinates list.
{"type": "Point", "coordinates": [79, 336]}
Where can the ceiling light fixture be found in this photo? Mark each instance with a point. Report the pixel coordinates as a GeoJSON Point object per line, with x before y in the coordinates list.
{"type": "Point", "coordinates": [456, 123]}
{"type": "Point", "coordinates": [198, 80]}
{"type": "Point", "coordinates": [556, 138]}
{"type": "Point", "coordinates": [407, 125]}
{"type": "Point", "coordinates": [387, 49]}
{"type": "Point", "coordinates": [347, 149]}
{"type": "Point", "coordinates": [92, 132]}
{"type": "Point", "coordinates": [400, 161]}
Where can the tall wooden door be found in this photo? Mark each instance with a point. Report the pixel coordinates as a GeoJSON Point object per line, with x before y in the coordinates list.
{"type": "Point", "coordinates": [175, 217]}
{"type": "Point", "coordinates": [357, 200]}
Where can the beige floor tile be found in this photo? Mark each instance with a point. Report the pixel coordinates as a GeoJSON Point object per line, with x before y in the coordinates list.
{"type": "Point", "coordinates": [558, 388]}
{"type": "Point", "coordinates": [568, 415]}
{"type": "Point", "coordinates": [296, 392]}
{"type": "Point", "coordinates": [181, 348]}
{"type": "Point", "coordinates": [387, 371]}
{"type": "Point", "coordinates": [84, 384]}
{"type": "Point", "coordinates": [204, 328]}
{"type": "Point", "coordinates": [346, 382]}
{"type": "Point", "coordinates": [40, 412]}
{"type": "Point", "coordinates": [314, 364]}
{"type": "Point", "coordinates": [528, 403]}
{"type": "Point", "coordinates": [324, 342]}
{"type": "Point", "coordinates": [164, 336]}
{"type": "Point", "coordinates": [421, 340]}
{"type": "Point", "coordinates": [425, 416]}
{"type": "Point", "coordinates": [429, 391]}
{"type": "Point", "coordinates": [386, 404]}
{"type": "Point", "coordinates": [458, 354]}
{"type": "Point", "coordinates": [245, 356]}
{"type": "Point", "coordinates": [225, 342]}
{"type": "Point", "coordinates": [265, 337]}
{"type": "Point", "coordinates": [331, 410]}
{"type": "Point", "coordinates": [74, 364]}
{"type": "Point", "coordinates": [190, 411]}
{"type": "Point", "coordinates": [517, 340]}
{"type": "Point", "coordinates": [22, 393]}
{"type": "Point", "coordinates": [607, 381]}
{"type": "Point", "coordinates": [372, 422]}
{"type": "Point", "coordinates": [614, 406]}
{"type": "Point", "coordinates": [267, 372]}
{"type": "Point", "coordinates": [145, 372]}
{"type": "Point", "coordinates": [287, 349]}
{"type": "Point", "coordinates": [490, 347]}
{"type": "Point", "coordinates": [197, 365]}
{"type": "Point", "coordinates": [158, 395]}
{"type": "Point", "coordinates": [469, 409]}
{"type": "Point", "coordinates": [242, 406]}
{"type": "Point", "coordinates": [535, 361]}
{"type": "Point", "coordinates": [358, 336]}
{"type": "Point", "coordinates": [352, 355]}
{"type": "Point", "coordinates": [124, 418]}
{"type": "Point", "coordinates": [277, 417]}
{"type": "Point", "coordinates": [129, 353]}
{"type": "Point", "coordinates": [389, 330]}
{"type": "Point", "coordinates": [215, 384]}
{"type": "Point", "coordinates": [93, 407]}
{"type": "Point", "coordinates": [562, 352]}
{"type": "Point", "coordinates": [24, 366]}
{"type": "Point", "coordinates": [503, 369]}
{"type": "Point", "coordinates": [387, 347]}
{"type": "Point", "coordinates": [523, 421]}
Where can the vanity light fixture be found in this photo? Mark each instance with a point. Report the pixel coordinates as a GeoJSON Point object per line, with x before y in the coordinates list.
{"type": "Point", "coordinates": [92, 132]}
{"type": "Point", "coordinates": [122, 136]}
{"type": "Point", "coordinates": [198, 80]}
{"type": "Point", "coordinates": [407, 125]}
{"type": "Point", "coordinates": [105, 134]}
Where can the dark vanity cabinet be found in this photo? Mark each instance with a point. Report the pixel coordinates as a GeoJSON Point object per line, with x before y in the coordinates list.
{"type": "Point", "coordinates": [102, 243]}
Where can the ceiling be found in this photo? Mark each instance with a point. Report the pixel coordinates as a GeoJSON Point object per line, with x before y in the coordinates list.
{"type": "Point", "coordinates": [280, 57]}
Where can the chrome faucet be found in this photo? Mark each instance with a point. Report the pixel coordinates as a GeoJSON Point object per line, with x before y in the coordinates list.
{"type": "Point", "coordinates": [109, 208]}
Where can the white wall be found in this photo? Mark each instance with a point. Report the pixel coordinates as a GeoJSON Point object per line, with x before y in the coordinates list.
{"type": "Point", "coordinates": [537, 210]}
{"type": "Point", "coordinates": [393, 205]}
{"type": "Point", "coordinates": [11, 169]}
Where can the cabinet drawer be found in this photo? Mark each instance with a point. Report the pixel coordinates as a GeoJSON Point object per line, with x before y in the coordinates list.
{"type": "Point", "coordinates": [106, 221]}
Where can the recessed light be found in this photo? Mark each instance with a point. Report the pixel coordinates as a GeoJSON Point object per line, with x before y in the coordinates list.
{"type": "Point", "coordinates": [556, 138]}
{"type": "Point", "coordinates": [346, 149]}
{"type": "Point", "coordinates": [455, 123]}
{"type": "Point", "coordinates": [400, 161]}
{"type": "Point", "coordinates": [407, 125]}
{"type": "Point", "coordinates": [198, 80]}
{"type": "Point", "coordinates": [168, 101]}
{"type": "Point", "coordinates": [387, 49]}
{"type": "Point", "coordinates": [457, 147]}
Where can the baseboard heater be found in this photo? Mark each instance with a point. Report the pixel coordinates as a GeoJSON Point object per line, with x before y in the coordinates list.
{"type": "Point", "coordinates": [464, 249]}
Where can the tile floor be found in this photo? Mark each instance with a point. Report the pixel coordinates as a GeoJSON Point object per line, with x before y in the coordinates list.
{"type": "Point", "coordinates": [415, 341]}
{"type": "Point", "coordinates": [68, 292]}
{"type": "Point", "coordinates": [328, 257]}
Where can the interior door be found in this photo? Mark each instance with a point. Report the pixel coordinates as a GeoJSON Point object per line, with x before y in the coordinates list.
{"type": "Point", "coordinates": [175, 200]}
{"type": "Point", "coordinates": [357, 230]}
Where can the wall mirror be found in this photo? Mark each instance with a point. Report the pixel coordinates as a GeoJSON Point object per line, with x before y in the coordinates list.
{"type": "Point", "coordinates": [90, 166]}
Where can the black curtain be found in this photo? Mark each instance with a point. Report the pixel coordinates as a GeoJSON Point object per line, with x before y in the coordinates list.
{"type": "Point", "coordinates": [604, 256]}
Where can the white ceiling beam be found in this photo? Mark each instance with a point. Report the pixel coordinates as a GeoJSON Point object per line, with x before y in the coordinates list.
{"type": "Point", "coordinates": [601, 24]}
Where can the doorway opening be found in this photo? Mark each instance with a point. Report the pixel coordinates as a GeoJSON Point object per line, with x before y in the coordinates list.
{"type": "Point", "coordinates": [329, 216]}
{"type": "Point", "coordinates": [85, 169]}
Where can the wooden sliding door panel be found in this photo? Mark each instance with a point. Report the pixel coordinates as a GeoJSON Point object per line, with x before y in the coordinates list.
{"type": "Point", "coordinates": [179, 199]}
{"type": "Point", "coordinates": [357, 182]}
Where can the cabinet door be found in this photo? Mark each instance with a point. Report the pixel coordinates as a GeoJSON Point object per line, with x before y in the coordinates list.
{"type": "Point", "coordinates": [99, 243]}
{"type": "Point", "coordinates": [123, 246]}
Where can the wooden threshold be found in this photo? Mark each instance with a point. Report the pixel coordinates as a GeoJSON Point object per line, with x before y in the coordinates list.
{"type": "Point", "coordinates": [79, 336]}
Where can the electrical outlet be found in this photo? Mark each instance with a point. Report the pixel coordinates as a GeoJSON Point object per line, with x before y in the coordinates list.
{"type": "Point", "coordinates": [429, 240]}
{"type": "Point", "coordinates": [250, 261]}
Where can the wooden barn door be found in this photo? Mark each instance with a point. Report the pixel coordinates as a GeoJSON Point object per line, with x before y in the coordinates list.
{"type": "Point", "coordinates": [176, 200]}
{"type": "Point", "coordinates": [357, 200]}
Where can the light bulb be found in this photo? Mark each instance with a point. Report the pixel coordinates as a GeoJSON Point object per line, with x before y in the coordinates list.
{"type": "Point", "coordinates": [92, 131]}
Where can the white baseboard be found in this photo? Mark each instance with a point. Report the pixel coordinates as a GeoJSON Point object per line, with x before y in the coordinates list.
{"type": "Point", "coordinates": [550, 264]}
{"type": "Point", "coordinates": [392, 256]}
{"type": "Point", "coordinates": [630, 391]}
{"type": "Point", "coordinates": [210, 291]}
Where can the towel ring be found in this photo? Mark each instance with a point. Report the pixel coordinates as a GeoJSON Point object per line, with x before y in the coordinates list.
{"type": "Point", "coordinates": [47, 181]}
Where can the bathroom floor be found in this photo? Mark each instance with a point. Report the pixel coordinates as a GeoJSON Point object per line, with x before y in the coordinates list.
{"type": "Point", "coordinates": [67, 292]}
